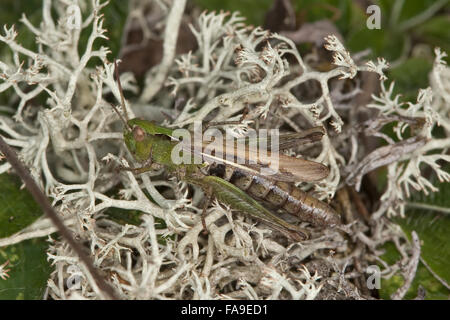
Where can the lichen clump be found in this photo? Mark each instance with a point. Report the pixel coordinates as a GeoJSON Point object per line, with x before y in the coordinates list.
{"type": "Point", "coordinates": [60, 121]}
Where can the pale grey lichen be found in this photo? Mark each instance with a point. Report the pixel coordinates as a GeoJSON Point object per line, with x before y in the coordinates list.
{"type": "Point", "coordinates": [72, 150]}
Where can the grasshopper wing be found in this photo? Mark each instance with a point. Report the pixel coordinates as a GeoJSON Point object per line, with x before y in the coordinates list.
{"type": "Point", "coordinates": [241, 156]}
{"type": "Point", "coordinates": [290, 169]}
{"type": "Point", "coordinates": [290, 140]}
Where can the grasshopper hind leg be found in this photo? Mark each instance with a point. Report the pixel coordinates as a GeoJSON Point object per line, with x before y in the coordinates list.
{"type": "Point", "coordinates": [225, 123]}
{"type": "Point", "coordinates": [209, 197]}
{"type": "Point", "coordinates": [232, 196]}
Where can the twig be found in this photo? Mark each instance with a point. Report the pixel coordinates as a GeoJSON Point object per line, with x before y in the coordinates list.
{"type": "Point", "coordinates": [42, 200]}
{"type": "Point", "coordinates": [421, 293]}
{"type": "Point", "coordinates": [442, 281]}
{"type": "Point", "coordinates": [383, 156]}
{"type": "Point", "coordinates": [170, 43]}
{"type": "Point", "coordinates": [427, 206]}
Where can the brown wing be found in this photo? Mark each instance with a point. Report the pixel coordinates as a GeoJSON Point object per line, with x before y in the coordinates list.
{"type": "Point", "coordinates": [246, 159]}
{"type": "Point", "coordinates": [303, 170]}
{"type": "Point", "coordinates": [291, 169]}
{"type": "Point", "coordinates": [290, 140]}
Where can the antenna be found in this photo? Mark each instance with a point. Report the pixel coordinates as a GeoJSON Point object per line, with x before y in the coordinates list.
{"type": "Point", "coordinates": [123, 117]}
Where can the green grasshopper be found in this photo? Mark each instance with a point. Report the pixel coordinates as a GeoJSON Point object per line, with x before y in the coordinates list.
{"type": "Point", "coordinates": [242, 187]}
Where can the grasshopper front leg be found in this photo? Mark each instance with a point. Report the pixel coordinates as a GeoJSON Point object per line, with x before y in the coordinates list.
{"type": "Point", "coordinates": [224, 123]}
{"type": "Point", "coordinates": [138, 170]}
{"type": "Point", "coordinates": [146, 166]}
{"type": "Point", "coordinates": [238, 200]}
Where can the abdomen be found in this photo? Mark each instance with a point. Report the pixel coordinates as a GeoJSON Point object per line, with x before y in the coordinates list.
{"type": "Point", "coordinates": [280, 195]}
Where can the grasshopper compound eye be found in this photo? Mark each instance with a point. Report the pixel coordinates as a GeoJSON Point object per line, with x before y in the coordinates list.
{"type": "Point", "coordinates": [138, 133]}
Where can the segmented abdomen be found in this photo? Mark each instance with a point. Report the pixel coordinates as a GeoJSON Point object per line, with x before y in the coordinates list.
{"type": "Point", "coordinates": [280, 195]}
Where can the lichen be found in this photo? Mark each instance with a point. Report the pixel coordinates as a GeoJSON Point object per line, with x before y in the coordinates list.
{"type": "Point", "coordinates": [72, 145]}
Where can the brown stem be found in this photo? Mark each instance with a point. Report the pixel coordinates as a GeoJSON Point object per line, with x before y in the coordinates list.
{"type": "Point", "coordinates": [42, 200]}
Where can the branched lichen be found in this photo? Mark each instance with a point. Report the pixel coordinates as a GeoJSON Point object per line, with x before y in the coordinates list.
{"type": "Point", "coordinates": [64, 130]}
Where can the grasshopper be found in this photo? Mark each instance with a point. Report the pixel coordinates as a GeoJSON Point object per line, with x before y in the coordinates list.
{"type": "Point", "coordinates": [242, 187]}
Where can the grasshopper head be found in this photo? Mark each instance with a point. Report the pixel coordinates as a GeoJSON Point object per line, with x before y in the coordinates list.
{"type": "Point", "coordinates": [134, 137]}
{"type": "Point", "coordinates": [149, 127]}
{"type": "Point", "coordinates": [140, 135]}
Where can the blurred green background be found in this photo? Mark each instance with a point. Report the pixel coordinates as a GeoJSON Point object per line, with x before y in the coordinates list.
{"type": "Point", "coordinates": [410, 30]}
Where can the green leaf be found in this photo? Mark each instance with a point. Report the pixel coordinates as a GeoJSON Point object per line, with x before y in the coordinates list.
{"type": "Point", "coordinates": [17, 207]}
{"type": "Point", "coordinates": [27, 260]}
{"type": "Point", "coordinates": [434, 289]}
{"type": "Point", "coordinates": [409, 9]}
{"type": "Point", "coordinates": [412, 9]}
{"type": "Point", "coordinates": [345, 14]}
{"type": "Point", "coordinates": [29, 270]}
{"type": "Point", "coordinates": [435, 32]}
{"type": "Point", "coordinates": [382, 42]}
{"type": "Point", "coordinates": [432, 224]}
{"type": "Point", "coordinates": [429, 217]}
